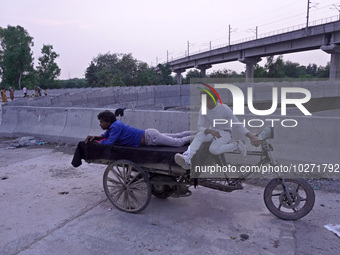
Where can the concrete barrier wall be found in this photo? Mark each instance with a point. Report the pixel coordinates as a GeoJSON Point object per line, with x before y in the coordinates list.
{"type": "Point", "coordinates": [314, 139]}
{"type": "Point", "coordinates": [9, 120]}
{"type": "Point", "coordinates": [73, 124]}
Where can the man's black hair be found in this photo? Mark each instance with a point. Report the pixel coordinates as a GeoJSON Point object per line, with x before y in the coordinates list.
{"type": "Point", "coordinates": [107, 116]}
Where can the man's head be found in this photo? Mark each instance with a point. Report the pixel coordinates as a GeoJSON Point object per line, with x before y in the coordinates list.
{"type": "Point", "coordinates": [106, 118]}
{"type": "Point", "coordinates": [210, 101]}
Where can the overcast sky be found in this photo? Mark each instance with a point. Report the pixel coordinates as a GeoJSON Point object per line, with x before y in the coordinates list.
{"type": "Point", "coordinates": [80, 30]}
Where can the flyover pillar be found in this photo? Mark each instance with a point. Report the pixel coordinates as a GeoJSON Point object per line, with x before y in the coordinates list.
{"type": "Point", "coordinates": [179, 75]}
{"type": "Point", "coordinates": [203, 69]}
{"type": "Point", "coordinates": [334, 50]}
{"type": "Point", "coordinates": [250, 62]}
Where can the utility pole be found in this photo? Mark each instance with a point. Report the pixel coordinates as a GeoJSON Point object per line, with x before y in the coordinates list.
{"type": "Point", "coordinates": [230, 31]}
{"type": "Point", "coordinates": [188, 48]}
{"type": "Point", "coordinates": [308, 2]}
{"type": "Point", "coordinates": [229, 36]}
{"type": "Point", "coordinates": [254, 31]}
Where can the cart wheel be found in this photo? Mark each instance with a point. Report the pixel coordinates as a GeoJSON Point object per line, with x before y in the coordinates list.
{"type": "Point", "coordinates": [127, 186]}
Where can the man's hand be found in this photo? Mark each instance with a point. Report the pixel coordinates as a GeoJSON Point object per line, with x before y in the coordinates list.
{"type": "Point", "coordinates": [213, 132]}
{"type": "Point", "coordinates": [92, 138]}
{"type": "Point", "coordinates": [254, 140]}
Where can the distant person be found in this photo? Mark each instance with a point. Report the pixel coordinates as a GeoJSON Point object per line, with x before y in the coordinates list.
{"type": "Point", "coordinates": [45, 92]}
{"type": "Point", "coordinates": [3, 95]}
{"type": "Point", "coordinates": [24, 90]}
{"type": "Point", "coordinates": [39, 91]}
{"type": "Point", "coordinates": [36, 91]}
{"type": "Point", "coordinates": [11, 93]}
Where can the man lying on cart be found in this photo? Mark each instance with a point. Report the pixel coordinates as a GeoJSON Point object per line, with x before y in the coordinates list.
{"type": "Point", "coordinates": [118, 133]}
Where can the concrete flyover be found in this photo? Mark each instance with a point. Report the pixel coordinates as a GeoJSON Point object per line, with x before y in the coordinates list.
{"type": "Point", "coordinates": [325, 37]}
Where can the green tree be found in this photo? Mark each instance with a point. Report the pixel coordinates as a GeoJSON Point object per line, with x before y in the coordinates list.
{"type": "Point", "coordinates": [164, 72]}
{"type": "Point", "coordinates": [70, 83]}
{"type": "Point", "coordinates": [16, 59]}
{"type": "Point", "coordinates": [101, 71]}
{"type": "Point", "coordinates": [146, 75]}
{"type": "Point", "coordinates": [90, 75]}
{"type": "Point", "coordinates": [274, 67]}
{"type": "Point", "coordinates": [291, 69]}
{"type": "Point", "coordinates": [112, 70]}
{"type": "Point", "coordinates": [312, 69]}
{"type": "Point", "coordinates": [124, 70]}
{"type": "Point", "coordinates": [323, 71]}
{"type": "Point", "coordinates": [192, 74]}
{"type": "Point", "coordinates": [259, 72]}
{"type": "Point", "coordinates": [127, 67]}
{"type": "Point", "coordinates": [47, 70]}
{"type": "Point", "coordinates": [226, 73]}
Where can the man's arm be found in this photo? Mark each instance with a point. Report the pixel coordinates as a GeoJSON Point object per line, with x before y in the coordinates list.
{"type": "Point", "coordinates": [113, 133]}
{"type": "Point", "coordinates": [213, 132]}
{"type": "Point", "coordinates": [91, 138]}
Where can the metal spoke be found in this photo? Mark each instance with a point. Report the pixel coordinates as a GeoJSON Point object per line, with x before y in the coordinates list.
{"type": "Point", "coordinates": [275, 195]}
{"type": "Point", "coordinates": [297, 188]}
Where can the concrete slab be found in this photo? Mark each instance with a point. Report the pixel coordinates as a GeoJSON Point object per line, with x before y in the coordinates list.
{"type": "Point", "coordinates": [10, 115]}
{"type": "Point", "coordinates": [168, 95]}
{"type": "Point", "coordinates": [75, 126]}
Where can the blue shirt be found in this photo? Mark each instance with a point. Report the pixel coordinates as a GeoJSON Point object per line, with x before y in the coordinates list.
{"type": "Point", "coordinates": [122, 134]}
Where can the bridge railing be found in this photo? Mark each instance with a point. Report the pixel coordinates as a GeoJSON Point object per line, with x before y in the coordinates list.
{"type": "Point", "coordinates": [264, 35]}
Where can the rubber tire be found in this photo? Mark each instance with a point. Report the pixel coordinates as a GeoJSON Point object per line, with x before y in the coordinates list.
{"type": "Point", "coordinates": [168, 191]}
{"type": "Point", "coordinates": [308, 206]}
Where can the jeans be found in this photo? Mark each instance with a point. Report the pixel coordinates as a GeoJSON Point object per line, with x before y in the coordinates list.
{"type": "Point", "coordinates": [154, 138]}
